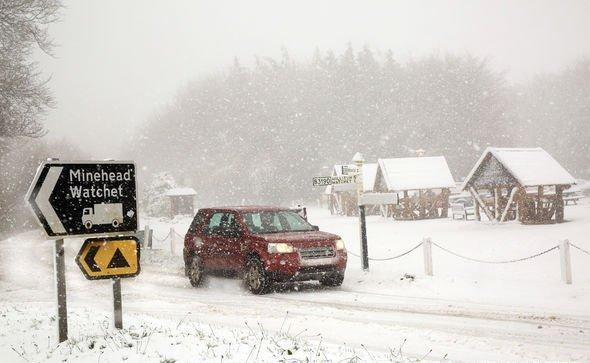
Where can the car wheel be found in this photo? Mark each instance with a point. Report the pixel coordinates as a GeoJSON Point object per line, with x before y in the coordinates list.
{"type": "Point", "coordinates": [256, 278]}
{"type": "Point", "coordinates": [195, 271]}
{"type": "Point", "coordinates": [88, 224]}
{"type": "Point", "coordinates": [115, 223]}
{"type": "Point", "coordinates": [332, 280]}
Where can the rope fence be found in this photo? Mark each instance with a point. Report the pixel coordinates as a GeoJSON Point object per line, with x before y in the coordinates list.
{"type": "Point", "coordinates": [563, 248]}
{"type": "Point", "coordinates": [390, 258]}
{"type": "Point", "coordinates": [495, 262]}
{"type": "Point", "coordinates": [579, 248]}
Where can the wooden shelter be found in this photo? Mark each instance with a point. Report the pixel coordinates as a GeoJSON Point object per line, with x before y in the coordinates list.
{"type": "Point", "coordinates": [518, 183]}
{"type": "Point", "coordinates": [422, 184]}
{"type": "Point", "coordinates": [342, 198]}
{"type": "Point", "coordinates": [182, 201]}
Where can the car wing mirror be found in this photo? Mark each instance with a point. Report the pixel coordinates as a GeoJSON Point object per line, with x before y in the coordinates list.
{"type": "Point", "coordinates": [315, 228]}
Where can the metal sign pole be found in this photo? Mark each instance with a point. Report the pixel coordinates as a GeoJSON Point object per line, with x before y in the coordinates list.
{"type": "Point", "coordinates": [60, 287]}
{"type": "Point", "coordinates": [118, 309]}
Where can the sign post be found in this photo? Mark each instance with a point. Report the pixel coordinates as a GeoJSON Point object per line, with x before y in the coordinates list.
{"type": "Point", "coordinates": [358, 160]}
{"type": "Point", "coordinates": [82, 198]}
{"type": "Point", "coordinates": [60, 288]}
{"type": "Point", "coordinates": [117, 308]}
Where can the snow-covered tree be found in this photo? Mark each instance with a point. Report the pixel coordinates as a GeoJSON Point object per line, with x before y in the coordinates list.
{"type": "Point", "coordinates": [154, 200]}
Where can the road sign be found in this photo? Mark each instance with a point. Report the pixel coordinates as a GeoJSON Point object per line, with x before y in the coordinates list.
{"type": "Point", "coordinates": [378, 198]}
{"type": "Point", "coordinates": [319, 181]}
{"type": "Point", "coordinates": [84, 198]}
{"type": "Point", "coordinates": [109, 257]}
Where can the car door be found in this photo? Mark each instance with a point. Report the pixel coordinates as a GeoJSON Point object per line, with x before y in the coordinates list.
{"type": "Point", "coordinates": [231, 243]}
{"type": "Point", "coordinates": [213, 241]}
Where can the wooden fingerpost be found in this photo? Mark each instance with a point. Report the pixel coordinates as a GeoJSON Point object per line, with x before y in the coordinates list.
{"type": "Point", "coordinates": [358, 160]}
{"type": "Point", "coordinates": [566, 262]}
{"type": "Point", "coordinates": [427, 250]}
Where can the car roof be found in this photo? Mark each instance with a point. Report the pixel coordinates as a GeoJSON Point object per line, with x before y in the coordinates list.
{"type": "Point", "coordinates": [245, 208]}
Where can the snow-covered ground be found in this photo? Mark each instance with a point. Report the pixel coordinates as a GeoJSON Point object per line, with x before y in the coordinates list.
{"type": "Point", "coordinates": [466, 311]}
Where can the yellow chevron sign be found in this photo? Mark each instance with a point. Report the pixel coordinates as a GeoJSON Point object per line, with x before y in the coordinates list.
{"type": "Point", "coordinates": [108, 257]}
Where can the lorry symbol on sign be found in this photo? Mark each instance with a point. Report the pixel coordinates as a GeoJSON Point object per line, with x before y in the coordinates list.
{"type": "Point", "coordinates": [103, 214]}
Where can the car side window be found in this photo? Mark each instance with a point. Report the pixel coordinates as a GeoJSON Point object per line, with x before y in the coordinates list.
{"type": "Point", "coordinates": [293, 223]}
{"type": "Point", "coordinates": [215, 220]}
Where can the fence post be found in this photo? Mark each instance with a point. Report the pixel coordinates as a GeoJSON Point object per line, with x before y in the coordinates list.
{"type": "Point", "coordinates": [566, 261]}
{"type": "Point", "coordinates": [146, 236]}
{"type": "Point", "coordinates": [172, 241]}
{"type": "Point", "coordinates": [427, 249]}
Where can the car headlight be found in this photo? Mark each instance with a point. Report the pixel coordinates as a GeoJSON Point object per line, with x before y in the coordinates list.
{"type": "Point", "coordinates": [280, 248]}
{"type": "Point", "coordinates": [340, 244]}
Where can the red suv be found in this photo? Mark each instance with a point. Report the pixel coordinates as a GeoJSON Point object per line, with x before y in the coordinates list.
{"type": "Point", "coordinates": [262, 244]}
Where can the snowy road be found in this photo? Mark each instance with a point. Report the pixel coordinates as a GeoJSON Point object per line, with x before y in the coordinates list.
{"type": "Point", "coordinates": [455, 329]}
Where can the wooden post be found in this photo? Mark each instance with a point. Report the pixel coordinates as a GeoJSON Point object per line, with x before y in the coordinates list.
{"type": "Point", "coordinates": [566, 262]}
{"type": "Point", "coordinates": [421, 201]}
{"type": "Point", "coordinates": [477, 212]}
{"type": "Point", "coordinates": [512, 193]}
{"type": "Point", "coordinates": [363, 236]}
{"type": "Point", "coordinates": [172, 241]}
{"type": "Point", "coordinates": [427, 250]}
{"type": "Point", "coordinates": [358, 160]}
{"type": "Point", "coordinates": [60, 288]}
{"type": "Point", "coordinates": [496, 203]}
{"type": "Point", "coordinates": [445, 203]}
{"type": "Point", "coordinates": [483, 205]}
{"type": "Point", "coordinates": [117, 306]}
{"type": "Point", "coordinates": [559, 214]}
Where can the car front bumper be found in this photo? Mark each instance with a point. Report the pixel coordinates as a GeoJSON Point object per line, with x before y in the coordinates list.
{"type": "Point", "coordinates": [291, 267]}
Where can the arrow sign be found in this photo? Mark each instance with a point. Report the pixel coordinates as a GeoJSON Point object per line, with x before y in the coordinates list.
{"type": "Point", "coordinates": [109, 257]}
{"type": "Point", "coordinates": [320, 181]}
{"type": "Point", "coordinates": [84, 198]}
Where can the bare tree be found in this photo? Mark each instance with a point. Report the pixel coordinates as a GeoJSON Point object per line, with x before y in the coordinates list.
{"type": "Point", "coordinates": [24, 95]}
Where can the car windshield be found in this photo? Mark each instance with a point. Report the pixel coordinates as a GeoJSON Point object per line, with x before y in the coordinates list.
{"type": "Point", "coordinates": [262, 222]}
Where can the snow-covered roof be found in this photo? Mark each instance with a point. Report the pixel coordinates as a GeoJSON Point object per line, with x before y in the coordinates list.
{"type": "Point", "coordinates": [369, 175]}
{"type": "Point", "coordinates": [175, 192]}
{"type": "Point", "coordinates": [430, 172]}
{"type": "Point", "coordinates": [530, 166]}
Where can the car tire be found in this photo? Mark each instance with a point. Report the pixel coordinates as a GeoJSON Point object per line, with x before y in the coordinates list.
{"type": "Point", "coordinates": [256, 278]}
{"type": "Point", "coordinates": [332, 280]}
{"type": "Point", "coordinates": [195, 271]}
{"type": "Point", "coordinates": [88, 224]}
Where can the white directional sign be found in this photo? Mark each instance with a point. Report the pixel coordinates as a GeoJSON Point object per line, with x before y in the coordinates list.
{"type": "Point", "coordinates": [349, 170]}
{"type": "Point", "coordinates": [319, 181]}
{"type": "Point", "coordinates": [378, 198]}
{"type": "Point", "coordinates": [84, 198]}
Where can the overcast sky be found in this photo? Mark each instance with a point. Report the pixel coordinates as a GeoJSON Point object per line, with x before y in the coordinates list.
{"type": "Point", "coordinates": [118, 61]}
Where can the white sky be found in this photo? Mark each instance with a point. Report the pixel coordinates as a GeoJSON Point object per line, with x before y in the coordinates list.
{"type": "Point", "coordinates": [118, 61]}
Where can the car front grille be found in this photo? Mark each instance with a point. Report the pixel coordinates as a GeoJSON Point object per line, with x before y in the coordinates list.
{"type": "Point", "coordinates": [310, 253]}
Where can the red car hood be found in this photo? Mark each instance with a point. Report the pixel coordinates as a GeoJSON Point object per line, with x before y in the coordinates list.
{"type": "Point", "coordinates": [300, 239]}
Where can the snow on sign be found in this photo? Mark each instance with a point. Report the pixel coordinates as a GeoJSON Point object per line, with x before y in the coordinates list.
{"type": "Point", "coordinates": [320, 181]}
{"type": "Point", "coordinates": [105, 258]}
{"type": "Point", "coordinates": [84, 198]}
